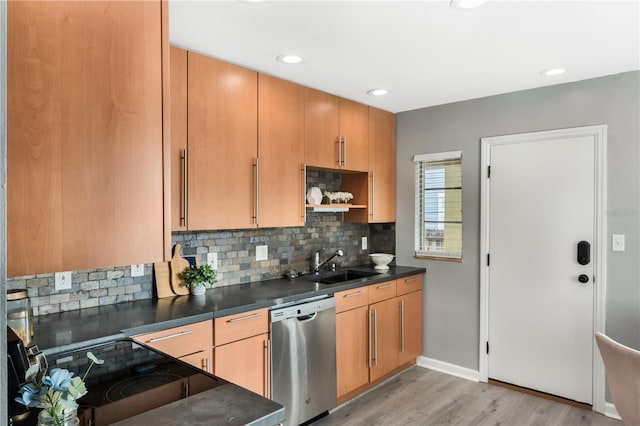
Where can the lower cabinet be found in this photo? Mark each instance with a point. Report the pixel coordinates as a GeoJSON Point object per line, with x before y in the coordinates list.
{"type": "Point", "coordinates": [190, 343]}
{"type": "Point", "coordinates": [244, 363]}
{"type": "Point", "coordinates": [352, 352]}
{"type": "Point", "coordinates": [378, 331]}
{"type": "Point", "coordinates": [241, 352]}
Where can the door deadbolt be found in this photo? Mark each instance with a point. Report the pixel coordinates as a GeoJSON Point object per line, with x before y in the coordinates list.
{"type": "Point", "coordinates": [584, 253]}
{"type": "Point", "coordinates": [583, 278]}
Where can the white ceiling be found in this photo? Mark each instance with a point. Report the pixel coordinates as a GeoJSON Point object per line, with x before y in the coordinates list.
{"type": "Point", "coordinates": [424, 52]}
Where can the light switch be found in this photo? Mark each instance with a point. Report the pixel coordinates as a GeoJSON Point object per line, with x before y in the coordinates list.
{"type": "Point", "coordinates": [212, 260]}
{"type": "Point", "coordinates": [364, 243]}
{"type": "Point", "coordinates": [617, 242]}
{"type": "Point", "coordinates": [262, 253]}
{"type": "Point", "coordinates": [62, 280]}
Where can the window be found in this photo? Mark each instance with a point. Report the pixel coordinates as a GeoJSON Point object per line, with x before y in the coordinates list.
{"type": "Point", "coordinates": [438, 216]}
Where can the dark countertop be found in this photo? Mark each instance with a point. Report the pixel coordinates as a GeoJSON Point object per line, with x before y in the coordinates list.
{"type": "Point", "coordinates": [223, 405]}
{"type": "Point", "coordinates": [70, 330]}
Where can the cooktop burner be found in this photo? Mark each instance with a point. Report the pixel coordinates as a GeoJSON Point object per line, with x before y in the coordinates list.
{"type": "Point", "coordinates": [135, 385]}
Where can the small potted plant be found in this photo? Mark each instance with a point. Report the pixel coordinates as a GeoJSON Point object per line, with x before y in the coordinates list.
{"type": "Point", "coordinates": [196, 277]}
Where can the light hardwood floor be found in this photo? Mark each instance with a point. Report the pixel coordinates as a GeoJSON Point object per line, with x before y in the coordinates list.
{"type": "Point", "coordinates": [420, 396]}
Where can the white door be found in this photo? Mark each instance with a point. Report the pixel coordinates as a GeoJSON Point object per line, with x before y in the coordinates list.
{"type": "Point", "coordinates": [541, 203]}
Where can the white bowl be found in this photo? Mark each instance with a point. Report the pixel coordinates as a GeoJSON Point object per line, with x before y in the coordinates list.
{"type": "Point", "coordinates": [381, 260]}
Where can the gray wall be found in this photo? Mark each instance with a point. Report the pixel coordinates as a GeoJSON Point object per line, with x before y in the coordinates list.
{"type": "Point", "coordinates": [452, 296]}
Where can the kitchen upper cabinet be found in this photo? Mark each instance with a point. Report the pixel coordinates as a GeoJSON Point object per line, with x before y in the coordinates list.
{"type": "Point", "coordinates": [382, 173]}
{"type": "Point", "coordinates": [178, 88]}
{"type": "Point", "coordinates": [222, 145]}
{"type": "Point", "coordinates": [84, 134]}
{"type": "Point", "coordinates": [280, 153]}
{"type": "Point", "coordinates": [336, 132]}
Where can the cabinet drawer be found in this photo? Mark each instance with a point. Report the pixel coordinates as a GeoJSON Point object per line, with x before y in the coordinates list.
{"type": "Point", "coordinates": [240, 326]}
{"type": "Point", "coordinates": [382, 291]}
{"type": "Point", "coordinates": [409, 284]}
{"type": "Point", "coordinates": [180, 341]}
{"type": "Point", "coordinates": [350, 299]}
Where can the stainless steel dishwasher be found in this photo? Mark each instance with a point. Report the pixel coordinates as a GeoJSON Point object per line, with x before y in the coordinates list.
{"type": "Point", "coordinates": [303, 358]}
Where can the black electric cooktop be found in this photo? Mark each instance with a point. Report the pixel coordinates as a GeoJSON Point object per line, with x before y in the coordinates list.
{"type": "Point", "coordinates": [132, 380]}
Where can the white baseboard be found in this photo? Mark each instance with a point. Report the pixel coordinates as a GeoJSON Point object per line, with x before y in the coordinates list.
{"type": "Point", "coordinates": [451, 369]}
{"type": "Point", "coordinates": [611, 411]}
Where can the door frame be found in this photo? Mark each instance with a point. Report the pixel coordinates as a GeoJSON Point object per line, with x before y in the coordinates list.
{"type": "Point", "coordinates": [599, 133]}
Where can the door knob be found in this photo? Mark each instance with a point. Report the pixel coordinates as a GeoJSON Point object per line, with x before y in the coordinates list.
{"type": "Point", "coordinates": [583, 278]}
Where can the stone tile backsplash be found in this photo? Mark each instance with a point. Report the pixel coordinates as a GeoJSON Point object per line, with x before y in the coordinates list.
{"type": "Point", "coordinates": [289, 249]}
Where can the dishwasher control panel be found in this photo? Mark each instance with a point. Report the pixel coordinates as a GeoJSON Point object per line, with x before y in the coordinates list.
{"type": "Point", "coordinates": [302, 309]}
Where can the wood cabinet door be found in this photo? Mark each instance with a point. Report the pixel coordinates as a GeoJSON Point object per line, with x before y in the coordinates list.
{"type": "Point", "coordinates": [382, 156]}
{"type": "Point", "coordinates": [410, 327]}
{"type": "Point", "coordinates": [178, 143]}
{"type": "Point", "coordinates": [322, 128]}
{"type": "Point", "coordinates": [84, 135]}
{"type": "Point", "coordinates": [352, 349]}
{"type": "Point", "coordinates": [244, 363]}
{"type": "Point", "coordinates": [385, 323]}
{"type": "Point", "coordinates": [280, 153]}
{"type": "Point", "coordinates": [222, 145]}
{"type": "Point", "coordinates": [201, 360]}
{"type": "Point", "coordinates": [354, 129]}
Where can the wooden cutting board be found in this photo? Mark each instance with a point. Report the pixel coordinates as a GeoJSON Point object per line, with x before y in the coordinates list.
{"type": "Point", "coordinates": [163, 279]}
{"type": "Point", "coordinates": [178, 264]}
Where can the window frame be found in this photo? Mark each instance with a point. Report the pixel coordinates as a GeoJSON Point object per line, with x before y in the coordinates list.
{"type": "Point", "coordinates": [419, 207]}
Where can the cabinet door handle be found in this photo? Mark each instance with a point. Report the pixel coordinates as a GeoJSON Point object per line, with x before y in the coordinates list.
{"type": "Point", "coordinates": [375, 337]}
{"type": "Point", "coordinates": [256, 198]}
{"type": "Point", "coordinates": [384, 286]}
{"type": "Point", "coordinates": [408, 280]}
{"type": "Point", "coordinates": [170, 336]}
{"type": "Point", "coordinates": [339, 142]}
{"type": "Point", "coordinates": [304, 193]}
{"type": "Point", "coordinates": [266, 368]}
{"type": "Point", "coordinates": [246, 317]}
{"type": "Point", "coordinates": [344, 150]}
{"type": "Point", "coordinates": [357, 293]}
{"type": "Point", "coordinates": [370, 339]}
{"type": "Point", "coordinates": [373, 193]}
{"type": "Point", "coordinates": [401, 325]}
{"type": "Point", "coordinates": [185, 187]}
{"type": "Point", "coordinates": [206, 365]}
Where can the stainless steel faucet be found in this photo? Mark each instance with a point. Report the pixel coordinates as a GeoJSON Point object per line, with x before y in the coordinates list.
{"type": "Point", "coordinates": [316, 260]}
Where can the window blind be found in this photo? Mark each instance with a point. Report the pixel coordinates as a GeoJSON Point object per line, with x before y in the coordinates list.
{"type": "Point", "coordinates": [438, 215]}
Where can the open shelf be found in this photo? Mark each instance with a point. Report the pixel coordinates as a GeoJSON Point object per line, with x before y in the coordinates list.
{"type": "Point", "coordinates": [335, 207]}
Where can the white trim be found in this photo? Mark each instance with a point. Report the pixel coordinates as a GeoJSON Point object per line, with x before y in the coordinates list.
{"type": "Point", "coordinates": [451, 369]}
{"type": "Point", "coordinates": [438, 156]}
{"type": "Point", "coordinates": [611, 411]}
{"type": "Point", "coordinates": [600, 263]}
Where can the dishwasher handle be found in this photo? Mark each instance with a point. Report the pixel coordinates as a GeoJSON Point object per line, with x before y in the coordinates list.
{"type": "Point", "coordinates": [307, 318]}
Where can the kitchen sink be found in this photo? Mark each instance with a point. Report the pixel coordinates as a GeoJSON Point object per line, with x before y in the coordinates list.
{"type": "Point", "coordinates": [338, 277]}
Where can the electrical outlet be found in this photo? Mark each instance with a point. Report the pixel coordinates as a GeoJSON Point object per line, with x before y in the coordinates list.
{"type": "Point", "coordinates": [364, 243]}
{"type": "Point", "coordinates": [137, 270]}
{"type": "Point", "coordinates": [212, 260]}
{"type": "Point", "coordinates": [62, 280]}
{"type": "Point", "coordinates": [262, 253]}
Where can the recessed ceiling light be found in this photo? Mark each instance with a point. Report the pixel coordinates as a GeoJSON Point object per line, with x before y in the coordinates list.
{"type": "Point", "coordinates": [553, 71]}
{"type": "Point", "coordinates": [466, 4]}
{"type": "Point", "coordinates": [377, 92]}
{"type": "Point", "coordinates": [289, 59]}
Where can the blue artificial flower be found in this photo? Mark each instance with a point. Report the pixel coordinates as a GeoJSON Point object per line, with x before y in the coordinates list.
{"type": "Point", "coordinates": [59, 380]}
{"type": "Point", "coordinates": [31, 395]}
